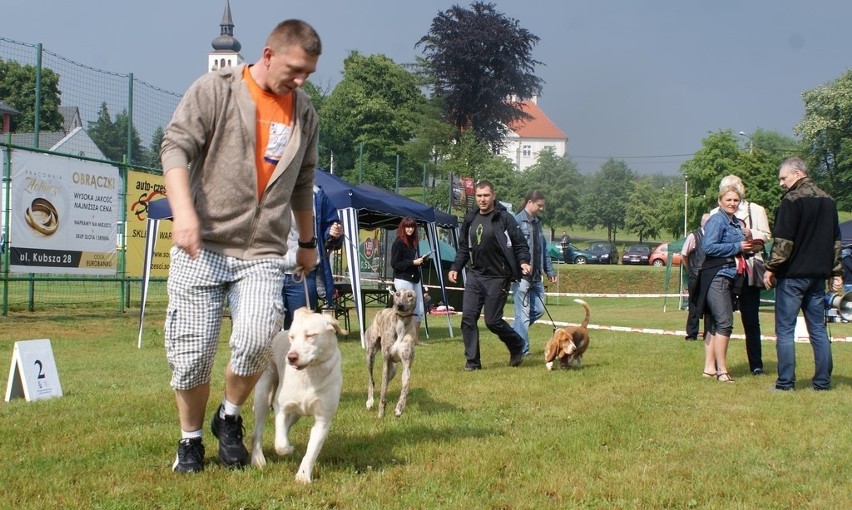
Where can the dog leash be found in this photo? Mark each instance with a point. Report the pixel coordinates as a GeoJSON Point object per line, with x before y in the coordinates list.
{"type": "Point", "coordinates": [552, 322]}
{"type": "Point", "coordinates": [299, 276]}
{"type": "Point", "coordinates": [527, 302]}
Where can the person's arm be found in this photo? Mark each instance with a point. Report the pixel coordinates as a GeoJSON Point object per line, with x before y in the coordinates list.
{"type": "Point", "coordinates": [548, 263]}
{"type": "Point", "coordinates": [186, 229]}
{"type": "Point", "coordinates": [688, 245]}
{"type": "Point", "coordinates": [786, 225]}
{"type": "Point", "coordinates": [760, 223]}
{"type": "Point", "coordinates": [306, 258]}
{"type": "Point", "coordinates": [837, 271]}
{"type": "Point", "coordinates": [519, 243]}
{"type": "Point", "coordinates": [462, 253]}
{"type": "Point", "coordinates": [184, 138]}
{"type": "Point", "coordinates": [331, 226]}
{"type": "Point", "coordinates": [302, 198]}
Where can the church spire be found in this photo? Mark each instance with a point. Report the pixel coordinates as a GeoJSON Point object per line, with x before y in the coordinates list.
{"type": "Point", "coordinates": [226, 40]}
{"type": "Point", "coordinates": [226, 19]}
{"type": "Point", "coordinates": [226, 47]}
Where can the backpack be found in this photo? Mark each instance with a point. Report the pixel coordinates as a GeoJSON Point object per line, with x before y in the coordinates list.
{"type": "Point", "coordinates": [696, 257]}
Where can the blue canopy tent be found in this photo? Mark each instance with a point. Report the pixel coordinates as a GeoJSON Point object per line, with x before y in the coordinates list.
{"type": "Point", "coordinates": [356, 206]}
{"type": "Point", "coordinates": [846, 233]}
{"type": "Point", "coordinates": [441, 219]}
{"type": "Point", "coordinates": [371, 207]}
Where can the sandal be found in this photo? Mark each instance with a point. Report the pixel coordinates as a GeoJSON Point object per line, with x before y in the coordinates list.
{"type": "Point", "coordinates": [724, 377]}
{"type": "Point", "coordinates": [708, 374]}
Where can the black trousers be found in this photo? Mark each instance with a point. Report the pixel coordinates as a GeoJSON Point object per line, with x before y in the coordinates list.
{"type": "Point", "coordinates": [749, 313]}
{"type": "Point", "coordinates": [692, 318]}
{"type": "Point", "coordinates": [490, 293]}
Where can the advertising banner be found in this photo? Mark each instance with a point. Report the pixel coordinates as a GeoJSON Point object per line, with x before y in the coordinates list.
{"type": "Point", "coordinates": [371, 256]}
{"type": "Point", "coordinates": [463, 191]}
{"type": "Point", "coordinates": [459, 196]}
{"type": "Point", "coordinates": [63, 215]}
{"type": "Point", "coordinates": [141, 189]}
{"type": "Point", "coordinates": [469, 186]}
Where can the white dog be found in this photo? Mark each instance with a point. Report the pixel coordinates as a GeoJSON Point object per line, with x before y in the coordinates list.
{"type": "Point", "coordinates": [305, 378]}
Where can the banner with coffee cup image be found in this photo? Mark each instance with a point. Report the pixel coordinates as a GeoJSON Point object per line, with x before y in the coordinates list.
{"type": "Point", "coordinates": [63, 215]}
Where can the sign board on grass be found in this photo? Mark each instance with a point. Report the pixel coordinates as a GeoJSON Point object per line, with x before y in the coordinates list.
{"type": "Point", "coordinates": [32, 374]}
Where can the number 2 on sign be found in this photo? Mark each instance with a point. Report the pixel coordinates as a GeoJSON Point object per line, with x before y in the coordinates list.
{"type": "Point", "coordinates": [38, 363]}
{"type": "Point", "coordinates": [40, 378]}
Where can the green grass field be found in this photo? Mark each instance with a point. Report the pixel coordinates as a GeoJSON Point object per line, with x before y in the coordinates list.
{"type": "Point", "coordinates": [637, 427]}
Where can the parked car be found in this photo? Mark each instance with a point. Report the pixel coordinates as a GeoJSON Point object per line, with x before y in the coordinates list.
{"type": "Point", "coordinates": [573, 255]}
{"type": "Point", "coordinates": [660, 256]}
{"type": "Point", "coordinates": [554, 251]}
{"type": "Point", "coordinates": [602, 253]}
{"type": "Point", "coordinates": [636, 254]}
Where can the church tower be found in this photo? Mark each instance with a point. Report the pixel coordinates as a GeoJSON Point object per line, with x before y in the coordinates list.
{"type": "Point", "coordinates": [226, 47]}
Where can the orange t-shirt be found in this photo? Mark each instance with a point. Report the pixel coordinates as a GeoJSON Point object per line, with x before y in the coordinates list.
{"type": "Point", "coordinates": [272, 128]}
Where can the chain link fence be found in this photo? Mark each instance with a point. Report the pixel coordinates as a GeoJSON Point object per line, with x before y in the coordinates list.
{"type": "Point", "coordinates": [106, 116]}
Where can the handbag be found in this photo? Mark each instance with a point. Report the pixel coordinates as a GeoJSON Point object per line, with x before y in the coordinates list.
{"type": "Point", "coordinates": [758, 267]}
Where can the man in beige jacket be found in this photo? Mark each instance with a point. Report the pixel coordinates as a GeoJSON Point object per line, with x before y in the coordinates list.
{"type": "Point", "coordinates": [239, 152]}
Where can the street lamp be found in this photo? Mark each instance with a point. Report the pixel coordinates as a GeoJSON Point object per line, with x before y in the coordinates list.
{"type": "Point", "coordinates": [331, 158]}
{"type": "Point", "coordinates": [685, 202]}
{"type": "Point", "coordinates": [750, 141]}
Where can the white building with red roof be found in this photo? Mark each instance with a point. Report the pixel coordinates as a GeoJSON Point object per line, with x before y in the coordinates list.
{"type": "Point", "coordinates": [527, 138]}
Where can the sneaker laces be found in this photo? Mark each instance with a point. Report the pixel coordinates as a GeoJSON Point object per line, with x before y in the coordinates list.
{"type": "Point", "coordinates": [233, 428]}
{"type": "Point", "coordinates": [190, 449]}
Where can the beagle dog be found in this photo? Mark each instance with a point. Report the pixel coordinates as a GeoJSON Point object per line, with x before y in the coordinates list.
{"type": "Point", "coordinates": [568, 344]}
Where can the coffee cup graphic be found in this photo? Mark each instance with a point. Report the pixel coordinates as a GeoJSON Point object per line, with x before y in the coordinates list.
{"type": "Point", "coordinates": [42, 217]}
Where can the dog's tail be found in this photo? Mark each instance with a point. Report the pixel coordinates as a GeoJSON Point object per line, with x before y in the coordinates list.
{"type": "Point", "coordinates": [585, 323]}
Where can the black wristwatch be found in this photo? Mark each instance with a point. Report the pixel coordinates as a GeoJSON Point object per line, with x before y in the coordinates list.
{"type": "Point", "coordinates": [310, 245]}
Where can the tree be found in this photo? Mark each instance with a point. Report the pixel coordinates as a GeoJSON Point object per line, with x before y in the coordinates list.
{"type": "Point", "coordinates": [18, 90]}
{"type": "Point", "coordinates": [377, 104]}
{"type": "Point", "coordinates": [718, 156]}
{"type": "Point", "coordinates": [432, 140]}
{"type": "Point", "coordinates": [641, 214]}
{"type": "Point", "coordinates": [604, 200]}
{"type": "Point", "coordinates": [759, 166]}
{"type": "Point", "coordinates": [151, 155]}
{"type": "Point", "coordinates": [826, 133]}
{"type": "Point", "coordinates": [756, 164]}
{"type": "Point", "coordinates": [670, 212]}
{"type": "Point", "coordinates": [478, 60]}
{"type": "Point", "coordinates": [472, 158]}
{"type": "Point", "coordinates": [111, 137]}
{"type": "Point", "coordinates": [559, 180]}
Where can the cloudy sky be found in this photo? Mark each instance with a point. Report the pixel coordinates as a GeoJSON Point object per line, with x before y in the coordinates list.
{"type": "Point", "coordinates": [639, 80]}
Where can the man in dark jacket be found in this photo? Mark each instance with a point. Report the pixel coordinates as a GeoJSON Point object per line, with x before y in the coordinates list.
{"type": "Point", "coordinates": [805, 253]}
{"type": "Point", "coordinates": [492, 242]}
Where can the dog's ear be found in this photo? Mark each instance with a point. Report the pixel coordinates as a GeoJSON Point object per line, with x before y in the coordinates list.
{"type": "Point", "coordinates": [549, 352]}
{"type": "Point", "coordinates": [552, 347]}
{"type": "Point", "coordinates": [335, 326]}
